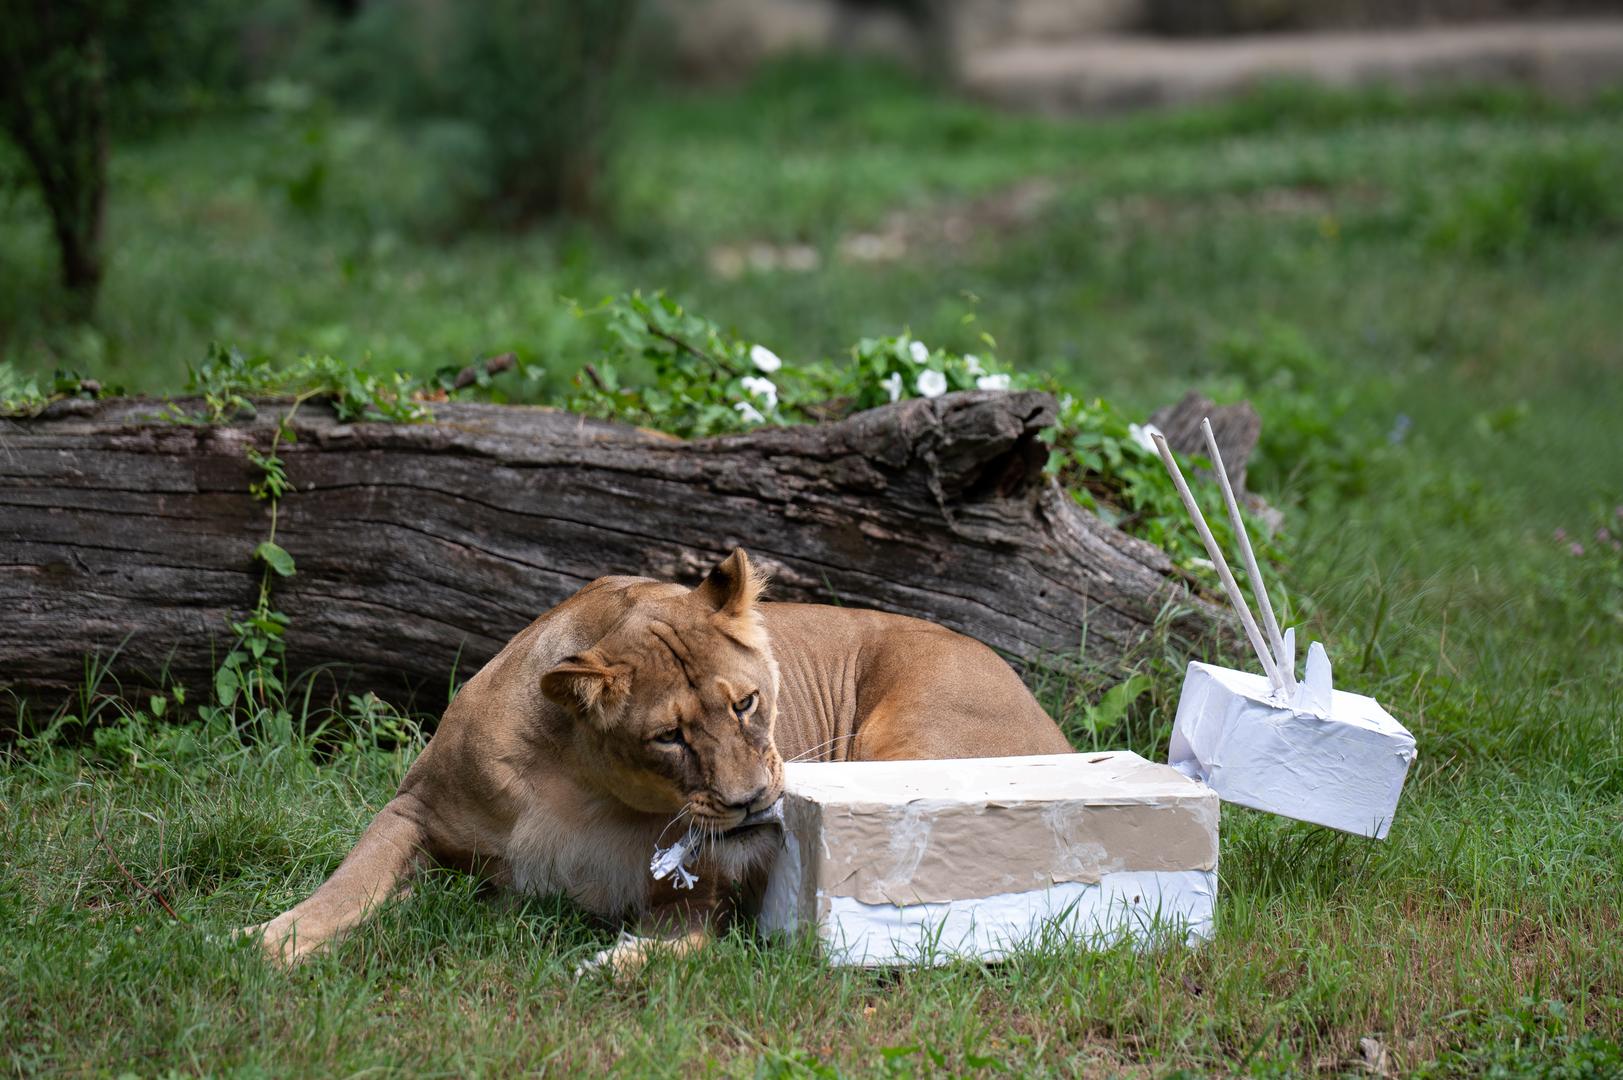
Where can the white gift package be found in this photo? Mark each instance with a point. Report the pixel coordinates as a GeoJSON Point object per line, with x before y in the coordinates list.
{"type": "Point", "coordinates": [1299, 749]}
{"type": "Point", "coordinates": [1334, 759]}
{"type": "Point", "coordinates": [891, 862]}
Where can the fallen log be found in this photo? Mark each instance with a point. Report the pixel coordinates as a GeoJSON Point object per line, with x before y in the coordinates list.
{"type": "Point", "coordinates": [421, 548]}
{"type": "Point", "coordinates": [1236, 428]}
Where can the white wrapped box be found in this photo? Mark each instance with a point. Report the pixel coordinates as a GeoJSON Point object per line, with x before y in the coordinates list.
{"type": "Point", "coordinates": [1324, 756]}
{"type": "Point", "coordinates": [920, 861]}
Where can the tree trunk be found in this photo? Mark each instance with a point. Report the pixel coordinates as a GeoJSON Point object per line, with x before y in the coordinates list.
{"type": "Point", "coordinates": [54, 104]}
{"type": "Point", "coordinates": [422, 548]}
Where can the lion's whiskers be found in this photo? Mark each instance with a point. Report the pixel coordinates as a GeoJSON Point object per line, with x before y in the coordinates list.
{"type": "Point", "coordinates": [804, 754]}
{"type": "Point", "coordinates": [687, 808]}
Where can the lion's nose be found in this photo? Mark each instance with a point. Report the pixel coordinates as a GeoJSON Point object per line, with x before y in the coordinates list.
{"type": "Point", "coordinates": [746, 805]}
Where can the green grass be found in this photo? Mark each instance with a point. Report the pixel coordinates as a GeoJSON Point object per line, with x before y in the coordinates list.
{"type": "Point", "coordinates": [1485, 926]}
{"type": "Point", "coordinates": [1363, 267]}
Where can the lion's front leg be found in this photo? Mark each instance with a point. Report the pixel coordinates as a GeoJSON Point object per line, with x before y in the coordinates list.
{"type": "Point", "coordinates": [390, 849]}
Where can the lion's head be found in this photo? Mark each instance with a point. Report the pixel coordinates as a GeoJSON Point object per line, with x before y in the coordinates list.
{"type": "Point", "coordinates": [674, 706]}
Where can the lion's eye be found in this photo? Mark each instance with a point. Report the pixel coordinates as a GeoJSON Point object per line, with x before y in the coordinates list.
{"type": "Point", "coordinates": [670, 737]}
{"type": "Point", "coordinates": [744, 706]}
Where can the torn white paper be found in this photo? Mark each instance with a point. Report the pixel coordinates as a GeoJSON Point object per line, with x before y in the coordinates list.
{"type": "Point", "coordinates": [674, 860]}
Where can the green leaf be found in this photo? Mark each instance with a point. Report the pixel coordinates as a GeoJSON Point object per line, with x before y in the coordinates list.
{"type": "Point", "coordinates": [276, 557]}
{"type": "Point", "coordinates": [159, 703]}
{"type": "Point", "coordinates": [225, 686]}
{"type": "Point", "coordinates": [1115, 703]}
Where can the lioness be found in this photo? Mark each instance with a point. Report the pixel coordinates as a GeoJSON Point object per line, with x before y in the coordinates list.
{"type": "Point", "coordinates": [635, 704]}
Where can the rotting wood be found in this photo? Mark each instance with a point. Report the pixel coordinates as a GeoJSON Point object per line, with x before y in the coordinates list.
{"type": "Point", "coordinates": [1236, 427]}
{"type": "Point", "coordinates": [422, 548]}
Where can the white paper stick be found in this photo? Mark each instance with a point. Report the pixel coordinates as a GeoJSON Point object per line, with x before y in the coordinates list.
{"type": "Point", "coordinates": [1258, 589]}
{"type": "Point", "coordinates": [1235, 599]}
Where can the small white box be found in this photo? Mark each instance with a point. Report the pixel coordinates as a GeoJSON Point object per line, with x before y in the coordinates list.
{"type": "Point", "coordinates": [901, 862]}
{"type": "Point", "coordinates": [1339, 762]}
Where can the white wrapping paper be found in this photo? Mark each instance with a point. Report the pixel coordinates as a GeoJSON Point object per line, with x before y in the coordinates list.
{"type": "Point", "coordinates": [1321, 755]}
{"type": "Point", "coordinates": [1150, 906]}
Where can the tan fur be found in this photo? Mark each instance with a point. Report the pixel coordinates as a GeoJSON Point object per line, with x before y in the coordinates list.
{"type": "Point", "coordinates": [547, 775]}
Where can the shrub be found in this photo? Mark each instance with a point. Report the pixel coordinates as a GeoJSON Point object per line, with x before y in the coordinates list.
{"type": "Point", "coordinates": [70, 70]}
{"type": "Point", "coordinates": [536, 82]}
{"type": "Point", "coordinates": [171, 60]}
{"type": "Point", "coordinates": [1560, 192]}
{"type": "Point", "coordinates": [666, 368]}
{"type": "Point", "coordinates": [1312, 441]}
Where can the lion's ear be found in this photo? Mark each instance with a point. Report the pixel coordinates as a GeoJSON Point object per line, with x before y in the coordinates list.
{"type": "Point", "coordinates": [583, 682]}
{"type": "Point", "coordinates": [733, 586]}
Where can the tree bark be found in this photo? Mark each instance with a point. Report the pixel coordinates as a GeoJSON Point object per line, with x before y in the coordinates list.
{"type": "Point", "coordinates": [422, 548]}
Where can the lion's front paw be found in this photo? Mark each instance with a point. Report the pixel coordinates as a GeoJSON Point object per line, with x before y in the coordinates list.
{"type": "Point", "coordinates": [283, 941]}
{"type": "Point", "coordinates": [631, 953]}
{"type": "Point", "coordinates": [626, 957]}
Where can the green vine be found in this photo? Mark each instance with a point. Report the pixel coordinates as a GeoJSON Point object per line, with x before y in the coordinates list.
{"type": "Point", "coordinates": [250, 676]}
{"type": "Point", "coordinates": [249, 682]}
{"type": "Point", "coordinates": [228, 381]}
{"type": "Point", "coordinates": [28, 395]}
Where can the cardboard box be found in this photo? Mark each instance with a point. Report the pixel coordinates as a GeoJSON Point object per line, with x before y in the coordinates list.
{"type": "Point", "coordinates": [920, 861]}
{"type": "Point", "coordinates": [1321, 755]}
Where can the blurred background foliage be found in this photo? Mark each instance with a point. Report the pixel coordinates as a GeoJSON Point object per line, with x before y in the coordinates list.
{"type": "Point", "coordinates": [517, 100]}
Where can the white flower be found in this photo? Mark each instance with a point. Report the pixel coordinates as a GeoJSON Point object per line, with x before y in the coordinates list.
{"type": "Point", "coordinates": [992, 382]}
{"type": "Point", "coordinates": [932, 383]}
{"type": "Point", "coordinates": [1145, 435]}
{"type": "Point", "coordinates": [750, 413]}
{"type": "Point", "coordinates": [918, 351]}
{"type": "Point", "coordinates": [764, 359]}
{"type": "Point", "coordinates": [972, 364]}
{"type": "Point", "coordinates": [765, 389]}
{"type": "Point", "coordinates": [892, 384]}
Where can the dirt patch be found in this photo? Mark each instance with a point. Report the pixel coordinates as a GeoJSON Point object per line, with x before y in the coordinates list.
{"type": "Point", "coordinates": [949, 228]}
{"type": "Point", "coordinates": [1172, 212]}
{"type": "Point", "coordinates": [1093, 73]}
{"type": "Point", "coordinates": [943, 227]}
